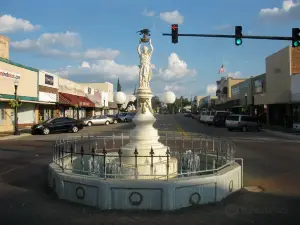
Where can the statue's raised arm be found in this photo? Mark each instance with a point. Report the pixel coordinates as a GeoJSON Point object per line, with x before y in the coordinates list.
{"type": "Point", "coordinates": [139, 48]}
{"type": "Point", "coordinates": [151, 47]}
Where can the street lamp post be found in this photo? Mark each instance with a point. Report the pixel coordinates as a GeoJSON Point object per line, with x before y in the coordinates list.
{"type": "Point", "coordinates": [246, 103]}
{"type": "Point", "coordinates": [77, 105]}
{"type": "Point", "coordinates": [16, 129]}
{"type": "Point", "coordinates": [119, 99]}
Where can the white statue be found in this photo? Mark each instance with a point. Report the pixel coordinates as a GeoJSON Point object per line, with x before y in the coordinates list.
{"type": "Point", "coordinates": [145, 66]}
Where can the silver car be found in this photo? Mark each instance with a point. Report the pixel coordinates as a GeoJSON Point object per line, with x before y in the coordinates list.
{"type": "Point", "coordinates": [98, 120]}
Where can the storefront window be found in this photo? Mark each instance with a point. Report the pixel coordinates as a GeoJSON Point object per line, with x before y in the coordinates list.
{"type": "Point", "coordinates": [296, 114]}
{"type": "Point", "coordinates": [2, 113]}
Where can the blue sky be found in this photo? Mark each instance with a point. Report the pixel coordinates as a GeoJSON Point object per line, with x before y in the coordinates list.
{"type": "Point", "coordinates": [96, 40]}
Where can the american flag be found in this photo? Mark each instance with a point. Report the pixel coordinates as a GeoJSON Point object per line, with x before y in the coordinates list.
{"type": "Point", "coordinates": [222, 69]}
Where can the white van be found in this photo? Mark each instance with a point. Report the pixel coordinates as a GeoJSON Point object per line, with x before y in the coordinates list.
{"type": "Point", "coordinates": [204, 116]}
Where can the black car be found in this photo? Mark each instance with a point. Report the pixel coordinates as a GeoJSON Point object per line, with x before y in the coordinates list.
{"type": "Point", "coordinates": [63, 124]}
{"type": "Point", "coordinates": [220, 118]}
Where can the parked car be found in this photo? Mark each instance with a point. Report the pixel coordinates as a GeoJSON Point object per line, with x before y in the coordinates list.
{"type": "Point", "coordinates": [220, 118]}
{"type": "Point", "coordinates": [187, 114]}
{"type": "Point", "coordinates": [242, 122]}
{"type": "Point", "coordinates": [63, 124]}
{"type": "Point", "coordinates": [126, 117]}
{"type": "Point", "coordinates": [114, 117]}
{"type": "Point", "coordinates": [98, 120]}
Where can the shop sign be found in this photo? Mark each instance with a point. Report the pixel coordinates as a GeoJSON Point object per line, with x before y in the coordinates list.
{"type": "Point", "coordinates": [49, 80]}
{"type": "Point", "coordinates": [82, 104]}
{"type": "Point", "coordinates": [258, 86]}
{"type": "Point", "coordinates": [9, 74]}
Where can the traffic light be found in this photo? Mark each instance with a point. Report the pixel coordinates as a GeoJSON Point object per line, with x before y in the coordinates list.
{"type": "Point", "coordinates": [174, 33]}
{"type": "Point", "coordinates": [296, 37]}
{"type": "Point", "coordinates": [238, 35]}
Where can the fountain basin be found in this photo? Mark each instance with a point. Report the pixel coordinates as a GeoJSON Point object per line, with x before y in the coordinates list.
{"type": "Point", "coordinates": [146, 194]}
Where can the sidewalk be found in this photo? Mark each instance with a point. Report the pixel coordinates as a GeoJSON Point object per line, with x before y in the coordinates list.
{"type": "Point", "coordinates": [9, 136]}
{"type": "Point", "coordinates": [288, 133]}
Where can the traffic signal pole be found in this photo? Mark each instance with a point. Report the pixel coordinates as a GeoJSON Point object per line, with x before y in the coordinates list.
{"type": "Point", "coordinates": [279, 38]}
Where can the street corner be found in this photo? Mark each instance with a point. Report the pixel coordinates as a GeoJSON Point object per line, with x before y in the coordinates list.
{"type": "Point", "coordinates": [11, 137]}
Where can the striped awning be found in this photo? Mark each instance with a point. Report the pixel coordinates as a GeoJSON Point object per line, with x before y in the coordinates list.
{"type": "Point", "coordinates": [72, 100]}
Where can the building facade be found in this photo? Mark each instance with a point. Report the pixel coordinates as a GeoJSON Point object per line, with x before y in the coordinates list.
{"type": "Point", "coordinates": [295, 99]}
{"type": "Point", "coordinates": [27, 92]}
{"type": "Point", "coordinates": [276, 95]}
{"type": "Point", "coordinates": [72, 101]}
{"type": "Point", "coordinates": [108, 88]}
{"type": "Point", "coordinates": [224, 92]}
{"type": "Point", "coordinates": [48, 95]}
{"type": "Point", "coordinates": [4, 47]}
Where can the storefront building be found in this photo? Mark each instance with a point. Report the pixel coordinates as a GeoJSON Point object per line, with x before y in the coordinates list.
{"type": "Point", "coordinates": [207, 103]}
{"type": "Point", "coordinates": [94, 96]}
{"type": "Point", "coordinates": [72, 101]}
{"type": "Point", "coordinates": [224, 91]}
{"type": "Point", "coordinates": [295, 98]}
{"type": "Point", "coordinates": [258, 90]}
{"type": "Point", "coordinates": [241, 97]}
{"type": "Point", "coordinates": [27, 92]}
{"type": "Point", "coordinates": [108, 88]}
{"type": "Point", "coordinates": [48, 95]}
{"type": "Point", "coordinates": [104, 102]}
{"type": "Point", "coordinates": [277, 101]}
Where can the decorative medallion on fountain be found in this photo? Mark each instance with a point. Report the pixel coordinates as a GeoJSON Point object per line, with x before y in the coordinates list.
{"type": "Point", "coordinates": [80, 193]}
{"type": "Point", "coordinates": [195, 198]}
{"type": "Point", "coordinates": [135, 198]}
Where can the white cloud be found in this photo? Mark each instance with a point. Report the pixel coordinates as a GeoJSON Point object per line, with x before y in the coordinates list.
{"type": "Point", "coordinates": [236, 74]}
{"type": "Point", "coordinates": [10, 24]}
{"type": "Point", "coordinates": [173, 87]}
{"type": "Point", "coordinates": [107, 69]}
{"type": "Point", "coordinates": [172, 17]}
{"type": "Point", "coordinates": [146, 12]}
{"type": "Point", "coordinates": [288, 10]}
{"type": "Point", "coordinates": [211, 89]}
{"type": "Point", "coordinates": [110, 70]}
{"type": "Point", "coordinates": [177, 68]}
{"type": "Point", "coordinates": [101, 54]}
{"type": "Point", "coordinates": [67, 39]}
{"type": "Point", "coordinates": [85, 65]}
{"type": "Point", "coordinates": [58, 45]}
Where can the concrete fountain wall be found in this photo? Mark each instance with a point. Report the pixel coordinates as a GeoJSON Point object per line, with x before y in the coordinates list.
{"type": "Point", "coordinates": [172, 194]}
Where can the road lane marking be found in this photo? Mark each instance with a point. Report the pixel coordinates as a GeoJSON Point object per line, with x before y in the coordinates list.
{"type": "Point", "coordinates": [181, 131]}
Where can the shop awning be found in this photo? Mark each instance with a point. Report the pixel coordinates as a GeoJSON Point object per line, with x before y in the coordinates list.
{"type": "Point", "coordinates": [72, 100]}
{"type": "Point", "coordinates": [112, 105]}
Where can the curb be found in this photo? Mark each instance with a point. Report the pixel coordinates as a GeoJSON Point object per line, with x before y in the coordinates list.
{"type": "Point", "coordinates": [11, 137]}
{"type": "Point", "coordinates": [281, 134]}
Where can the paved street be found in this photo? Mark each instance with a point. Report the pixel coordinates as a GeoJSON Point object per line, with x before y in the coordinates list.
{"type": "Point", "coordinates": [270, 163]}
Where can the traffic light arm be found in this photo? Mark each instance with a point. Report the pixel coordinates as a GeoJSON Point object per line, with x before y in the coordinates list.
{"type": "Point", "coordinates": [233, 36]}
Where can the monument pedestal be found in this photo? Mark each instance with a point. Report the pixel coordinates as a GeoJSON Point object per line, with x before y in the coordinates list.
{"type": "Point", "coordinates": [144, 137]}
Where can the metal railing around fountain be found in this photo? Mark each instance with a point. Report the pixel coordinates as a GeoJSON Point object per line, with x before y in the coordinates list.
{"type": "Point", "coordinates": [102, 157]}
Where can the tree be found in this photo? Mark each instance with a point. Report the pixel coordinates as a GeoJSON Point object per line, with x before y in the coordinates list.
{"type": "Point", "coordinates": [156, 103]}
{"type": "Point", "coordinates": [119, 88]}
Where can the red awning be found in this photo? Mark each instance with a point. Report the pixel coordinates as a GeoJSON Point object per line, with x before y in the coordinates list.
{"type": "Point", "coordinates": [69, 99]}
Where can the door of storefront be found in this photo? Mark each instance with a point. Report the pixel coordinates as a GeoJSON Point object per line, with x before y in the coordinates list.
{"type": "Point", "coordinates": [26, 113]}
{"type": "Point", "coordinates": [46, 112]}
